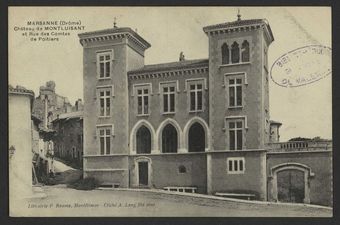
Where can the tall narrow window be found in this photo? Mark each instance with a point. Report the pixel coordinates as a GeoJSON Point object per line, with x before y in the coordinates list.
{"type": "Point", "coordinates": [104, 64]}
{"type": "Point", "coordinates": [169, 139]}
{"type": "Point", "coordinates": [225, 54]}
{"type": "Point", "coordinates": [235, 135]}
{"type": "Point", "coordinates": [143, 136]}
{"type": "Point", "coordinates": [196, 97]}
{"type": "Point", "coordinates": [235, 53]}
{"type": "Point", "coordinates": [245, 51]}
{"type": "Point", "coordinates": [196, 138]}
{"type": "Point", "coordinates": [169, 99]}
{"type": "Point", "coordinates": [105, 140]}
{"type": "Point", "coordinates": [235, 92]}
{"type": "Point", "coordinates": [143, 101]}
{"type": "Point", "coordinates": [105, 103]}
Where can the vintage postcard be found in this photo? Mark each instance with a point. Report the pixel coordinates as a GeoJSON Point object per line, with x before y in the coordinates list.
{"type": "Point", "coordinates": [170, 111]}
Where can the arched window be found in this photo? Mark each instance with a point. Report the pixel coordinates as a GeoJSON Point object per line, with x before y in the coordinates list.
{"type": "Point", "coordinates": [169, 139]}
{"type": "Point", "coordinates": [245, 51]}
{"type": "Point", "coordinates": [143, 140]}
{"type": "Point", "coordinates": [225, 54]}
{"type": "Point", "coordinates": [235, 53]}
{"type": "Point", "coordinates": [196, 138]}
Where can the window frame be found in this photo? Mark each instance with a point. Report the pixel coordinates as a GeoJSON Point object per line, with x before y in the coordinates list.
{"type": "Point", "coordinates": [225, 54]}
{"type": "Point", "coordinates": [241, 51]}
{"type": "Point", "coordinates": [106, 98]}
{"type": "Point", "coordinates": [230, 43]}
{"type": "Point", "coordinates": [226, 85]}
{"type": "Point", "coordinates": [235, 119]}
{"type": "Point", "coordinates": [231, 162]}
{"type": "Point", "coordinates": [235, 46]}
{"type": "Point", "coordinates": [142, 95]}
{"type": "Point", "coordinates": [235, 129]}
{"type": "Point", "coordinates": [235, 92]}
{"type": "Point", "coordinates": [110, 60]}
{"type": "Point", "coordinates": [196, 90]}
{"type": "Point", "coordinates": [168, 85]}
{"type": "Point", "coordinates": [105, 127]}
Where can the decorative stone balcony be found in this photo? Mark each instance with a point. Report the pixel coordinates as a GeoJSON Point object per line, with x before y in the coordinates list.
{"type": "Point", "coordinates": [297, 146]}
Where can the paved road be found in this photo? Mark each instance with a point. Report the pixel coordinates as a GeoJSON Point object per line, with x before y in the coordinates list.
{"type": "Point", "coordinates": [61, 201]}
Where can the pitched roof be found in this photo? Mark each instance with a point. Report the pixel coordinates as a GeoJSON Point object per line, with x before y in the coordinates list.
{"type": "Point", "coordinates": [19, 89]}
{"type": "Point", "coordinates": [172, 65]}
{"type": "Point", "coordinates": [115, 31]}
{"type": "Point", "coordinates": [70, 115]}
{"type": "Point", "coordinates": [236, 23]}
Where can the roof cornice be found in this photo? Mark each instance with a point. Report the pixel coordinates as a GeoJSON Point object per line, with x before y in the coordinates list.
{"type": "Point", "coordinates": [113, 34]}
{"type": "Point", "coordinates": [167, 73]}
{"type": "Point", "coordinates": [230, 28]}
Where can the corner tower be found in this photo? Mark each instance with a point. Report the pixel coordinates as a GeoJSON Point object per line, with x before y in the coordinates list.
{"type": "Point", "coordinates": [107, 57]}
{"type": "Point", "coordinates": [238, 84]}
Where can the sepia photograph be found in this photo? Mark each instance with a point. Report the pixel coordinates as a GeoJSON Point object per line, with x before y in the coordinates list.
{"type": "Point", "coordinates": [170, 111]}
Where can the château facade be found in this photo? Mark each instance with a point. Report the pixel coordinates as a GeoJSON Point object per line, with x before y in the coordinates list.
{"type": "Point", "coordinates": [199, 125]}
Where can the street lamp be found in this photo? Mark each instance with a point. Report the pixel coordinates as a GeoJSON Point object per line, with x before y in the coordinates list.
{"type": "Point", "coordinates": [11, 151]}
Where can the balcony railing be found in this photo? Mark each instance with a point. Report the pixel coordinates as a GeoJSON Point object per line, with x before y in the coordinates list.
{"type": "Point", "coordinates": [294, 146]}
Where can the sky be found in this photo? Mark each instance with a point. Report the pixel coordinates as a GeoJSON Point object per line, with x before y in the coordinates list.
{"type": "Point", "coordinates": [304, 111]}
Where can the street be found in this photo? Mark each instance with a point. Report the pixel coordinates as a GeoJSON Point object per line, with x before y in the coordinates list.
{"type": "Point", "coordinates": [62, 201]}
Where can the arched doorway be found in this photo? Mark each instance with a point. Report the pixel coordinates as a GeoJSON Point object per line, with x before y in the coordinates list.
{"type": "Point", "coordinates": [143, 172]}
{"type": "Point", "coordinates": [143, 140]}
{"type": "Point", "coordinates": [196, 138]}
{"type": "Point", "coordinates": [291, 185]}
{"type": "Point", "coordinates": [169, 139]}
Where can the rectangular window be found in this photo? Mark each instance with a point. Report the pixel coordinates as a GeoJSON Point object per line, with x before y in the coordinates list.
{"type": "Point", "coordinates": [236, 165]}
{"type": "Point", "coordinates": [104, 103]}
{"type": "Point", "coordinates": [104, 60]}
{"type": "Point", "coordinates": [235, 135]}
{"type": "Point", "coordinates": [105, 140]}
{"type": "Point", "coordinates": [235, 92]}
{"type": "Point", "coordinates": [196, 95]}
{"type": "Point", "coordinates": [143, 101]}
{"type": "Point", "coordinates": [169, 92]}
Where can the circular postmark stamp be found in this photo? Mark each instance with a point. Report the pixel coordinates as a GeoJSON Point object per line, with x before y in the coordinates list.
{"type": "Point", "coordinates": [302, 66]}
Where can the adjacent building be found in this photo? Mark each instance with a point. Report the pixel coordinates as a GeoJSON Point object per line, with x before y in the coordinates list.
{"type": "Point", "coordinates": [20, 134]}
{"type": "Point", "coordinates": [68, 141]}
{"type": "Point", "coordinates": [56, 114]}
{"type": "Point", "coordinates": [198, 125]}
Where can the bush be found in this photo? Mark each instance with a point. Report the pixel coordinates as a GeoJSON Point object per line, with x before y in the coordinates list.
{"type": "Point", "coordinates": [48, 180]}
{"type": "Point", "coordinates": [88, 183]}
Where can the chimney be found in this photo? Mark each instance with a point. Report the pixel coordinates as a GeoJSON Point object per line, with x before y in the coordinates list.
{"type": "Point", "coordinates": [79, 105]}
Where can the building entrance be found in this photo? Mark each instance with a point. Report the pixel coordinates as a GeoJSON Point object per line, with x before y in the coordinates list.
{"type": "Point", "coordinates": [143, 173]}
{"type": "Point", "coordinates": [291, 186]}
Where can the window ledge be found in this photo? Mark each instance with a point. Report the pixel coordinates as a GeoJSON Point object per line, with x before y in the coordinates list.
{"type": "Point", "coordinates": [229, 172]}
{"type": "Point", "coordinates": [169, 113]}
{"type": "Point", "coordinates": [141, 115]}
{"type": "Point", "coordinates": [196, 111]}
{"type": "Point", "coordinates": [104, 117]}
{"type": "Point", "coordinates": [104, 78]}
{"type": "Point", "coordinates": [234, 64]}
{"type": "Point", "coordinates": [235, 107]}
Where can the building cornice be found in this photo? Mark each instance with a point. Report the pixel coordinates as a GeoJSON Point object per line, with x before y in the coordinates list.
{"type": "Point", "coordinates": [113, 34]}
{"type": "Point", "coordinates": [167, 73]}
{"type": "Point", "coordinates": [228, 28]}
{"type": "Point", "coordinates": [20, 91]}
